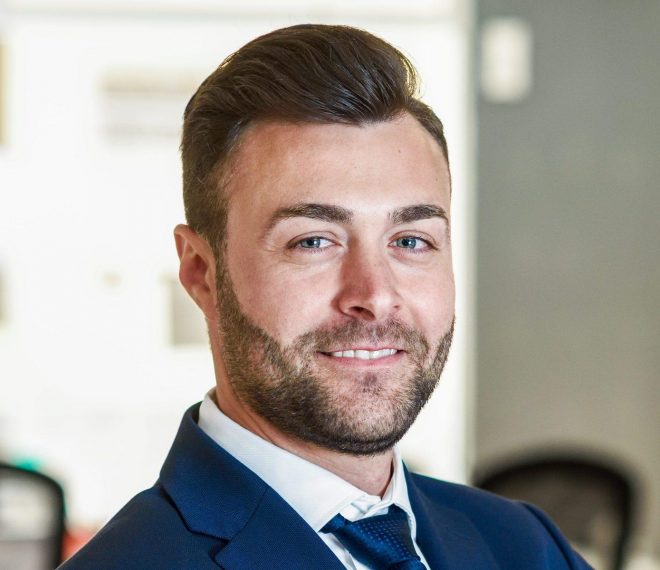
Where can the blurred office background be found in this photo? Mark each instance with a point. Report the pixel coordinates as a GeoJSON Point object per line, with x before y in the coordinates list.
{"type": "Point", "coordinates": [551, 113]}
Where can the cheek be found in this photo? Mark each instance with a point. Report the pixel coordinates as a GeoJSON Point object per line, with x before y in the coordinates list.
{"type": "Point", "coordinates": [280, 300]}
{"type": "Point", "coordinates": [432, 303]}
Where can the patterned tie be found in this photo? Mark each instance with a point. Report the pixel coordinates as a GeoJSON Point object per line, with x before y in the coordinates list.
{"type": "Point", "coordinates": [382, 542]}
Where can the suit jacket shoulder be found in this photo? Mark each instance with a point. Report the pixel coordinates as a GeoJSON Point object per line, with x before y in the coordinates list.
{"type": "Point", "coordinates": [148, 532]}
{"type": "Point", "coordinates": [206, 511]}
{"type": "Point", "coordinates": [482, 530]}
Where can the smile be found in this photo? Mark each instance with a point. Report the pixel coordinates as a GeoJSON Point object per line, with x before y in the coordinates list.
{"type": "Point", "coordinates": [364, 354]}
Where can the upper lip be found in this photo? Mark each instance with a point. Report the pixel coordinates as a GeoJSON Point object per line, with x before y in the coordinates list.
{"type": "Point", "coordinates": [370, 349]}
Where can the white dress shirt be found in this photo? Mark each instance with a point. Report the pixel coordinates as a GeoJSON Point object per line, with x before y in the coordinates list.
{"type": "Point", "coordinates": [316, 494]}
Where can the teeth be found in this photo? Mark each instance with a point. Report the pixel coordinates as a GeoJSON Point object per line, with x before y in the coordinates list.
{"type": "Point", "coordinates": [364, 354]}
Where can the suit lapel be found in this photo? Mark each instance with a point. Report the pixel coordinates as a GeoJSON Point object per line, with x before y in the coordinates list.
{"type": "Point", "coordinates": [220, 497]}
{"type": "Point", "coordinates": [276, 538]}
{"type": "Point", "coordinates": [446, 536]}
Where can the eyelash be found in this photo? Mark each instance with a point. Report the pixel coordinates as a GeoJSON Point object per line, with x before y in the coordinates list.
{"type": "Point", "coordinates": [313, 250]}
{"type": "Point", "coordinates": [429, 245]}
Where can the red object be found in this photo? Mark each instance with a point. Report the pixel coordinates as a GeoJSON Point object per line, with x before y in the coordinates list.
{"type": "Point", "coordinates": [74, 540]}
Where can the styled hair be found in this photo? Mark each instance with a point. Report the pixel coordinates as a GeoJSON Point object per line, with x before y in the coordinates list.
{"type": "Point", "coordinates": [308, 73]}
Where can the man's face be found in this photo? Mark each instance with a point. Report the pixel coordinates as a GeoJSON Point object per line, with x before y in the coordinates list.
{"type": "Point", "coordinates": [335, 286]}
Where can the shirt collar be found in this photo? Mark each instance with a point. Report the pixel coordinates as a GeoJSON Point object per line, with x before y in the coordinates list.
{"type": "Point", "coordinates": [315, 493]}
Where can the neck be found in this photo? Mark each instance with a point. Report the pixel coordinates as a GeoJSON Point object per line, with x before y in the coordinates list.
{"type": "Point", "coordinates": [370, 474]}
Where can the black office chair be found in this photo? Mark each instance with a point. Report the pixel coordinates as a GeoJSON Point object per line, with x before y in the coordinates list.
{"type": "Point", "coordinates": [31, 520]}
{"type": "Point", "coordinates": [592, 501]}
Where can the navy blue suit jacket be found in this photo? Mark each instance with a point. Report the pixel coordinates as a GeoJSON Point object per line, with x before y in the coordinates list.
{"type": "Point", "coordinates": [209, 511]}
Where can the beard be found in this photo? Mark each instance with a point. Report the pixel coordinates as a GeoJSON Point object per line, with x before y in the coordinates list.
{"type": "Point", "coordinates": [359, 412]}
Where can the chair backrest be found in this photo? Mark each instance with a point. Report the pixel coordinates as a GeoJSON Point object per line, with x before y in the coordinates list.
{"type": "Point", "coordinates": [590, 500]}
{"type": "Point", "coordinates": [31, 519]}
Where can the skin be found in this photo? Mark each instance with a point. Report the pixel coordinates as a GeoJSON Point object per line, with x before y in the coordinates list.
{"type": "Point", "coordinates": [294, 274]}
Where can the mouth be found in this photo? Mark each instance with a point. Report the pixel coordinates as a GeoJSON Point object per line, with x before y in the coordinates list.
{"type": "Point", "coordinates": [355, 355]}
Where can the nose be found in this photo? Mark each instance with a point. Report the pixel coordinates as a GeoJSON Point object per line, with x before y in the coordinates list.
{"type": "Point", "coordinates": [368, 289]}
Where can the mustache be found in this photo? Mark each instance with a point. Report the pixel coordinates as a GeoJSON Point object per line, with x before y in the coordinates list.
{"type": "Point", "coordinates": [392, 333]}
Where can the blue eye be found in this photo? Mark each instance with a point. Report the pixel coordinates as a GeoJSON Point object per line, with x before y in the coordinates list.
{"type": "Point", "coordinates": [310, 243]}
{"type": "Point", "coordinates": [413, 244]}
{"type": "Point", "coordinates": [305, 247]}
{"type": "Point", "coordinates": [407, 242]}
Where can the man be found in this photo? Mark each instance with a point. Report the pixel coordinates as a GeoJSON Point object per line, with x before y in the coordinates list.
{"type": "Point", "coordinates": [317, 194]}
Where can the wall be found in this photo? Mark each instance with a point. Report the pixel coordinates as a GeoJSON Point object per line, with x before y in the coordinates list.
{"type": "Point", "coordinates": [569, 243]}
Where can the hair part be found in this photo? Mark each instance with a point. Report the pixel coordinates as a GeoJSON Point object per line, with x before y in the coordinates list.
{"type": "Point", "coordinates": [308, 73]}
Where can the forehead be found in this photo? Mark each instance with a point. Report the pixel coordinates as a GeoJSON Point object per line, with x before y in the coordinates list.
{"type": "Point", "coordinates": [389, 164]}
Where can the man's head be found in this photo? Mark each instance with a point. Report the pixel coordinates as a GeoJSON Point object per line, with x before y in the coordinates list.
{"type": "Point", "coordinates": [302, 74]}
{"type": "Point", "coordinates": [318, 188]}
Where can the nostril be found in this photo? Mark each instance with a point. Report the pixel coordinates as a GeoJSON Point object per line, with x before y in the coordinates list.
{"type": "Point", "coordinates": [364, 313]}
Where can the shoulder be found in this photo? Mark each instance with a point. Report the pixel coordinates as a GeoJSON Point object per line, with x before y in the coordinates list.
{"type": "Point", "coordinates": [148, 532]}
{"type": "Point", "coordinates": [483, 509]}
{"type": "Point", "coordinates": [512, 529]}
{"type": "Point", "coordinates": [465, 498]}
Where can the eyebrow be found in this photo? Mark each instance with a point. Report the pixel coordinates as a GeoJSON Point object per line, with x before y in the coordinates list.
{"type": "Point", "coordinates": [417, 212]}
{"type": "Point", "coordinates": [324, 212]}
{"type": "Point", "coordinates": [339, 215]}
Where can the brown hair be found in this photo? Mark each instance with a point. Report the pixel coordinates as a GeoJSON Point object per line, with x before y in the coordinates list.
{"type": "Point", "coordinates": [307, 73]}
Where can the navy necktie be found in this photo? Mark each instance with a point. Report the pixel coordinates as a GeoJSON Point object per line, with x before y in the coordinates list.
{"type": "Point", "coordinates": [382, 542]}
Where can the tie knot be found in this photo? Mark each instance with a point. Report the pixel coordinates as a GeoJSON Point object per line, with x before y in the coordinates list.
{"type": "Point", "coordinates": [380, 542]}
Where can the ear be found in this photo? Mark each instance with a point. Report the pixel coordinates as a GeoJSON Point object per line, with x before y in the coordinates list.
{"type": "Point", "coordinates": [196, 268]}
